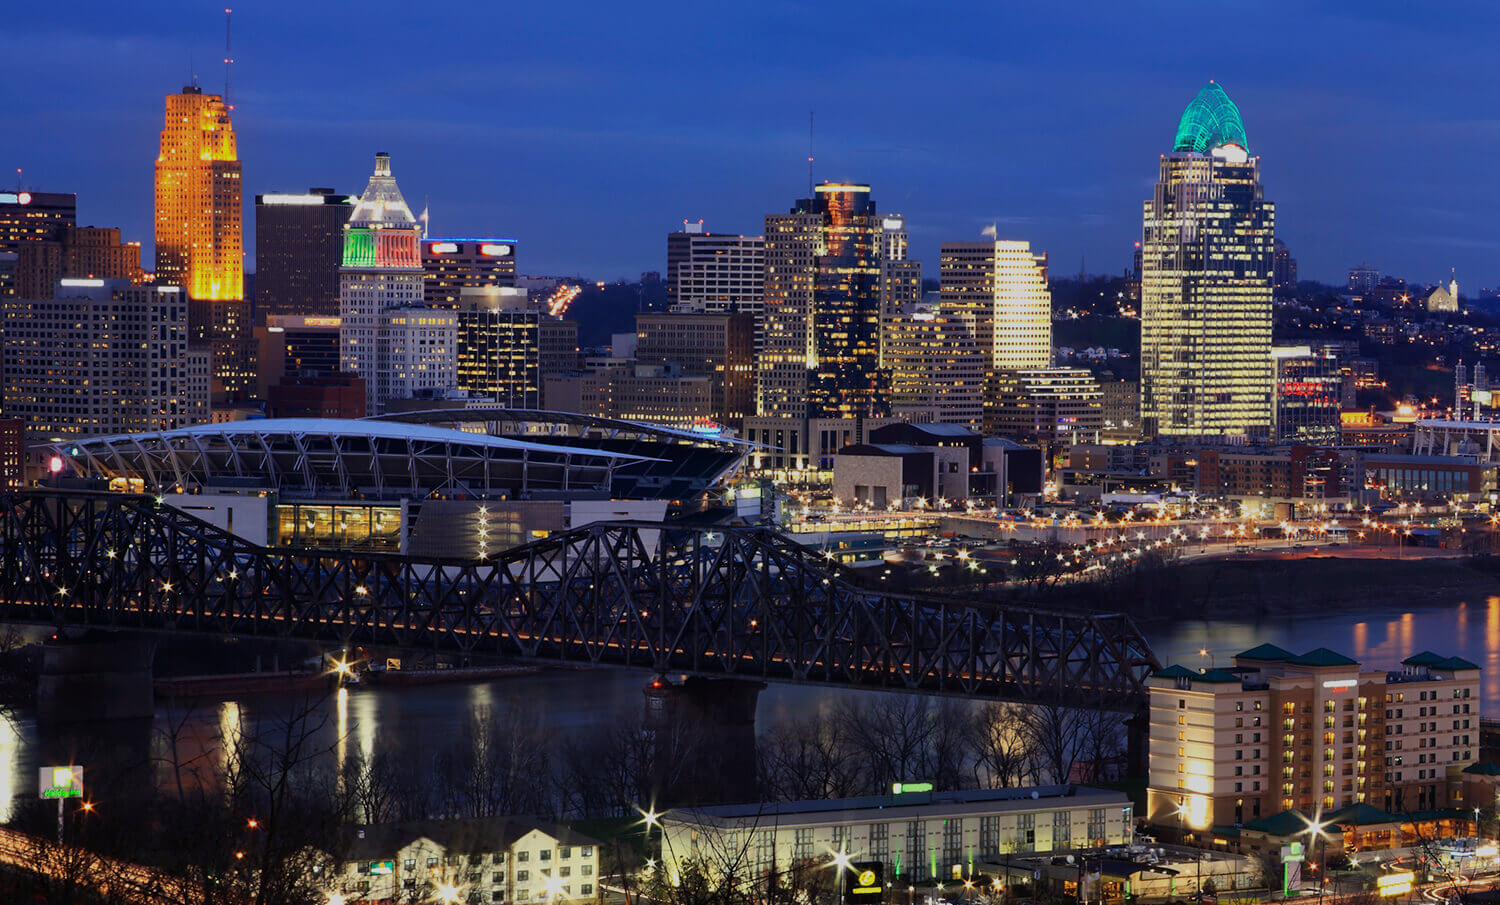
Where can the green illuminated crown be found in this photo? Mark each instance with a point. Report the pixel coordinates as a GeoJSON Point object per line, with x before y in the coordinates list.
{"type": "Point", "coordinates": [1209, 121]}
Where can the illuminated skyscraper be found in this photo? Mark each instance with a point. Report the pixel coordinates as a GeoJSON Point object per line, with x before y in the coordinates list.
{"type": "Point", "coordinates": [937, 368]}
{"type": "Point", "coordinates": [1003, 286]}
{"type": "Point", "coordinates": [298, 248]}
{"type": "Point", "coordinates": [1206, 273]}
{"type": "Point", "coordinates": [822, 308]}
{"type": "Point", "coordinates": [199, 231]}
{"type": "Point", "coordinates": [900, 277]}
{"type": "Point", "coordinates": [381, 270]}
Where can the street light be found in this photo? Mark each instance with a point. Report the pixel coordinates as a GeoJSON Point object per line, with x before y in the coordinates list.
{"type": "Point", "coordinates": [842, 863]}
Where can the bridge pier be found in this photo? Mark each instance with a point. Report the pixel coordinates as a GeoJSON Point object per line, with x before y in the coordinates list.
{"type": "Point", "coordinates": [714, 721]}
{"type": "Point", "coordinates": [96, 678]}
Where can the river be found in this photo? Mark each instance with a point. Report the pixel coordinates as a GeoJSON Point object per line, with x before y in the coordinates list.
{"type": "Point", "coordinates": [415, 719]}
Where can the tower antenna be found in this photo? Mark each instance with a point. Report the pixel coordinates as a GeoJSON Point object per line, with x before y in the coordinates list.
{"type": "Point", "coordinates": [228, 59]}
{"type": "Point", "coordinates": [809, 153]}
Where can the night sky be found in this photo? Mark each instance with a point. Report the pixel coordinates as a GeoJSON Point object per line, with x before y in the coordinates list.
{"type": "Point", "coordinates": [588, 130]}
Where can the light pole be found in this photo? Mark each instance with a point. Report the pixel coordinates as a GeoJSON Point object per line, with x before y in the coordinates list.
{"type": "Point", "coordinates": [841, 863]}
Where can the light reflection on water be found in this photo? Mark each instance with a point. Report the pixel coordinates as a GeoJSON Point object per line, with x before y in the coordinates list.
{"type": "Point", "coordinates": [415, 722]}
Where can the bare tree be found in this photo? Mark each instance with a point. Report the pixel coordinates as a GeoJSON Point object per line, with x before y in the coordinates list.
{"type": "Point", "coordinates": [1000, 742]}
{"type": "Point", "coordinates": [807, 759]}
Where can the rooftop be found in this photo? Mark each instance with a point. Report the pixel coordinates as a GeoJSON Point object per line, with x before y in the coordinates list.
{"type": "Point", "coordinates": [1001, 799]}
{"type": "Point", "coordinates": [1210, 121]}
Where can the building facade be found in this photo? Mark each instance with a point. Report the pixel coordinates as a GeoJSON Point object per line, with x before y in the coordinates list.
{"type": "Point", "coordinates": [1315, 732]}
{"type": "Point", "coordinates": [74, 252]}
{"type": "Point", "coordinates": [1051, 406]}
{"type": "Point", "coordinates": [1206, 283]}
{"type": "Point", "coordinates": [451, 265]}
{"type": "Point", "coordinates": [200, 232]}
{"type": "Point", "coordinates": [27, 217]}
{"type": "Point", "coordinates": [720, 347]}
{"type": "Point", "coordinates": [823, 308]}
{"type": "Point", "coordinates": [1309, 395]}
{"type": "Point", "coordinates": [381, 269]}
{"type": "Point", "coordinates": [418, 353]}
{"type": "Point", "coordinates": [715, 273]}
{"type": "Point", "coordinates": [102, 357]}
{"type": "Point", "coordinates": [299, 242]}
{"type": "Point", "coordinates": [937, 368]}
{"type": "Point", "coordinates": [1003, 286]}
{"type": "Point", "coordinates": [917, 837]}
{"type": "Point", "coordinates": [506, 345]}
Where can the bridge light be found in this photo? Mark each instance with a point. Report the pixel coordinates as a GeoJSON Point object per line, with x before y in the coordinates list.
{"type": "Point", "coordinates": [55, 464]}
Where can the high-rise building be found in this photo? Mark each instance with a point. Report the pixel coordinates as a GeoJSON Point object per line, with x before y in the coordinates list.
{"type": "Point", "coordinates": [381, 269]}
{"type": "Point", "coordinates": [296, 346]}
{"type": "Point", "coordinates": [1227, 744]}
{"type": "Point", "coordinates": [717, 273]}
{"type": "Point", "coordinates": [12, 453]}
{"type": "Point", "coordinates": [199, 232]}
{"type": "Point", "coordinates": [506, 344]}
{"type": "Point", "coordinates": [937, 368]}
{"type": "Point", "coordinates": [1309, 394]}
{"type": "Point", "coordinates": [720, 347]}
{"type": "Point", "coordinates": [900, 277]}
{"type": "Point", "coordinates": [1284, 270]}
{"type": "Point", "coordinates": [102, 357]}
{"type": "Point", "coordinates": [823, 308]}
{"type": "Point", "coordinates": [75, 252]}
{"type": "Point", "coordinates": [1363, 279]}
{"type": "Point", "coordinates": [1003, 286]}
{"type": "Point", "coordinates": [1206, 271]}
{"type": "Point", "coordinates": [30, 217]}
{"type": "Point", "coordinates": [418, 353]}
{"type": "Point", "coordinates": [450, 265]}
{"type": "Point", "coordinates": [299, 241]}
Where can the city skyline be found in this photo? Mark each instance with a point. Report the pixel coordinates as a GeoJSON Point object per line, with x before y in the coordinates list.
{"type": "Point", "coordinates": [566, 146]}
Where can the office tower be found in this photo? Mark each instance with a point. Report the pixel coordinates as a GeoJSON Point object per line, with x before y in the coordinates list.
{"type": "Point", "coordinates": [199, 234]}
{"type": "Point", "coordinates": [1052, 406]}
{"type": "Point", "coordinates": [299, 241]}
{"type": "Point", "coordinates": [75, 252]}
{"type": "Point", "coordinates": [822, 308]}
{"type": "Point", "coordinates": [450, 265]}
{"type": "Point", "coordinates": [720, 347]}
{"type": "Point", "coordinates": [1363, 279]}
{"type": "Point", "coordinates": [295, 346]}
{"type": "Point", "coordinates": [715, 273]}
{"type": "Point", "coordinates": [900, 277]}
{"type": "Point", "coordinates": [506, 344]}
{"type": "Point", "coordinates": [418, 352]}
{"type": "Point", "coordinates": [1309, 390]}
{"type": "Point", "coordinates": [381, 269]}
{"type": "Point", "coordinates": [30, 217]}
{"type": "Point", "coordinates": [1284, 270]}
{"type": "Point", "coordinates": [1003, 286]}
{"type": "Point", "coordinates": [102, 357]}
{"type": "Point", "coordinates": [1206, 269]}
{"type": "Point", "coordinates": [937, 367]}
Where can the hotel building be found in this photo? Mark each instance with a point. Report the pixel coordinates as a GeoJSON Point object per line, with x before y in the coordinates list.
{"type": "Point", "coordinates": [1315, 732]}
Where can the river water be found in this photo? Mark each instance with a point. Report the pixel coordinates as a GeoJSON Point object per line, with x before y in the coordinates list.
{"type": "Point", "coordinates": [364, 720]}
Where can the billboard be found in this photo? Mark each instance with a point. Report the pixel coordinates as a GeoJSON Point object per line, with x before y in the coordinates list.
{"type": "Point", "coordinates": [866, 884]}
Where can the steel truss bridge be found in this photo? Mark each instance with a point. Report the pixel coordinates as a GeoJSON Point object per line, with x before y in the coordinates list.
{"type": "Point", "coordinates": [739, 603]}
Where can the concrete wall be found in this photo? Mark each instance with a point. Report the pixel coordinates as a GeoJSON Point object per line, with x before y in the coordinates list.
{"type": "Point", "coordinates": [246, 517]}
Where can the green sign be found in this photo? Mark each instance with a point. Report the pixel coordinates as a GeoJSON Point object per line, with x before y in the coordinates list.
{"type": "Point", "coordinates": [62, 782]}
{"type": "Point", "coordinates": [382, 867]}
{"type": "Point", "coordinates": [898, 788]}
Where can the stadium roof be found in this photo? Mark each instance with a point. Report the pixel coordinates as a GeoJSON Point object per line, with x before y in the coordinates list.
{"type": "Point", "coordinates": [329, 458]}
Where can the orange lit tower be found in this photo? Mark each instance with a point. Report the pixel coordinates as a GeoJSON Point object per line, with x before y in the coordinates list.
{"type": "Point", "coordinates": [199, 230]}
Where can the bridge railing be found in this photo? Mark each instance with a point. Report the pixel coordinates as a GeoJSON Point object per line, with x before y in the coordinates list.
{"type": "Point", "coordinates": [713, 601]}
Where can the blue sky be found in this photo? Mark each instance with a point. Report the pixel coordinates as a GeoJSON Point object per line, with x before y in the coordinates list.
{"type": "Point", "coordinates": [588, 130]}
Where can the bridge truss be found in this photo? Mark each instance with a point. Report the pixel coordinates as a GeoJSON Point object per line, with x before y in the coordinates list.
{"type": "Point", "coordinates": [736, 603]}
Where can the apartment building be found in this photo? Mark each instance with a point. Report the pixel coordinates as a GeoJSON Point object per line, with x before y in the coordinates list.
{"type": "Point", "coordinates": [471, 860]}
{"type": "Point", "coordinates": [1315, 732]}
{"type": "Point", "coordinates": [918, 836]}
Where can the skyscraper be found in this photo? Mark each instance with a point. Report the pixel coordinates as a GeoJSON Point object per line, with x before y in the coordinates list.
{"type": "Point", "coordinates": [30, 217]}
{"type": "Point", "coordinates": [507, 344]}
{"type": "Point", "coordinates": [299, 239]}
{"type": "Point", "coordinates": [937, 367]}
{"type": "Point", "coordinates": [823, 308]}
{"type": "Point", "coordinates": [381, 270]}
{"type": "Point", "coordinates": [1285, 270]}
{"type": "Point", "coordinates": [1206, 272]}
{"type": "Point", "coordinates": [450, 265]}
{"type": "Point", "coordinates": [199, 231]}
{"type": "Point", "coordinates": [715, 273]}
{"type": "Point", "coordinates": [1003, 286]}
{"type": "Point", "coordinates": [900, 277]}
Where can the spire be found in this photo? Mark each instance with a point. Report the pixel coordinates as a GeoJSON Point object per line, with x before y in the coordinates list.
{"type": "Point", "coordinates": [1210, 121]}
{"type": "Point", "coordinates": [382, 204]}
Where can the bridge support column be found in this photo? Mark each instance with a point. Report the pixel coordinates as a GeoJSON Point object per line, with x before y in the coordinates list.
{"type": "Point", "coordinates": [98, 678]}
{"type": "Point", "coordinates": [1137, 743]}
{"type": "Point", "coordinates": [704, 740]}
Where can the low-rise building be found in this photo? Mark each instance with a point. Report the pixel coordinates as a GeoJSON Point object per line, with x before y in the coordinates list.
{"type": "Point", "coordinates": [497, 859]}
{"type": "Point", "coordinates": [916, 836]}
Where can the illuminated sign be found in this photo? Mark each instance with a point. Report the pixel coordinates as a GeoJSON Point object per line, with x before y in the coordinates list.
{"type": "Point", "coordinates": [322, 321]}
{"type": "Point", "coordinates": [899, 788]}
{"type": "Point", "coordinates": [1482, 396]}
{"type": "Point", "coordinates": [1395, 884]}
{"type": "Point", "coordinates": [1292, 851]}
{"type": "Point", "coordinates": [382, 867]}
{"type": "Point", "coordinates": [62, 782]}
{"type": "Point", "coordinates": [15, 197]}
{"type": "Point", "coordinates": [893, 223]}
{"type": "Point", "coordinates": [292, 199]}
{"type": "Point", "coordinates": [443, 248]}
{"type": "Point", "coordinates": [494, 251]}
{"type": "Point", "coordinates": [867, 886]}
{"type": "Point", "coordinates": [1341, 684]}
{"type": "Point", "coordinates": [80, 281]}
